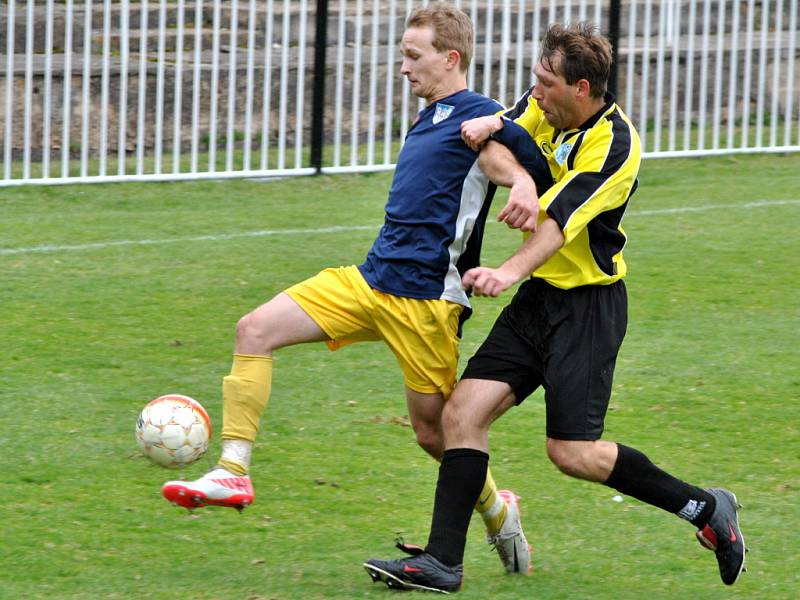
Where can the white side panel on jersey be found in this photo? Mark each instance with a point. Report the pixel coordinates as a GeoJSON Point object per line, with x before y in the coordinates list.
{"type": "Point", "coordinates": [473, 195]}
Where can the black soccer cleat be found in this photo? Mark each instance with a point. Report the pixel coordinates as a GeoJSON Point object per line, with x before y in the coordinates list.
{"type": "Point", "coordinates": [722, 535]}
{"type": "Point", "coordinates": [418, 572]}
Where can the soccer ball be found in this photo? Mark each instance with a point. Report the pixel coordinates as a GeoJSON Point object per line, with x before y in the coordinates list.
{"type": "Point", "coordinates": [173, 430]}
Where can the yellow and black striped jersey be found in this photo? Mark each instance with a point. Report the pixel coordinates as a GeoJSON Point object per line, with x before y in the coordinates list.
{"type": "Point", "coordinates": [594, 170]}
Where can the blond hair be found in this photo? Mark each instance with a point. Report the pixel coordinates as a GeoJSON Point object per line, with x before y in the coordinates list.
{"type": "Point", "coordinates": [452, 29]}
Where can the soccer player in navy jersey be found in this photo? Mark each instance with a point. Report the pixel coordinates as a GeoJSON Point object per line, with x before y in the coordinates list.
{"type": "Point", "coordinates": [407, 292]}
{"type": "Point", "coordinates": [563, 328]}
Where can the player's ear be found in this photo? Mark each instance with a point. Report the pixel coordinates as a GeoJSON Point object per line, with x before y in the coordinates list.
{"type": "Point", "coordinates": [453, 58]}
{"type": "Point", "coordinates": [583, 88]}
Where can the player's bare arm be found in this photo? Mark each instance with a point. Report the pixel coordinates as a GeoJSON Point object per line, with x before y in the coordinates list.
{"type": "Point", "coordinates": [522, 209]}
{"type": "Point", "coordinates": [476, 131]}
{"type": "Point", "coordinates": [536, 250]}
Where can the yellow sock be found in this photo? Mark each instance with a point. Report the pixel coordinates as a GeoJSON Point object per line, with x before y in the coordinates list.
{"type": "Point", "coordinates": [233, 467]}
{"type": "Point", "coordinates": [491, 506]}
{"type": "Point", "coordinates": [245, 393]}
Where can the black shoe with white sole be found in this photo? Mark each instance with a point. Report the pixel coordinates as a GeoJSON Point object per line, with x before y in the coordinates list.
{"type": "Point", "coordinates": [421, 571]}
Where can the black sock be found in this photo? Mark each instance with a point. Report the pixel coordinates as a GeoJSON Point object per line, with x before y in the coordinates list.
{"type": "Point", "coordinates": [461, 478]}
{"type": "Point", "coordinates": [634, 475]}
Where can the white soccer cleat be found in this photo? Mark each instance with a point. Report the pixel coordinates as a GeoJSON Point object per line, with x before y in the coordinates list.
{"type": "Point", "coordinates": [510, 542]}
{"type": "Point", "coordinates": [218, 487]}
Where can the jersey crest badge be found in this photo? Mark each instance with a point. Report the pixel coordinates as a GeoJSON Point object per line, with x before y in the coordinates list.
{"type": "Point", "coordinates": [562, 152]}
{"type": "Point", "coordinates": [442, 112]}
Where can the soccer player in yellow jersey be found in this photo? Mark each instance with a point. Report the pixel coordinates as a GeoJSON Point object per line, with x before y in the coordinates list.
{"type": "Point", "coordinates": [407, 293]}
{"type": "Point", "coordinates": [564, 326]}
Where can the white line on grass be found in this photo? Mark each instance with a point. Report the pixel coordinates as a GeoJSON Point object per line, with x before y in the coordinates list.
{"type": "Point", "coordinates": [340, 229]}
{"type": "Point", "coordinates": [687, 209]}
{"type": "Point", "coordinates": [196, 238]}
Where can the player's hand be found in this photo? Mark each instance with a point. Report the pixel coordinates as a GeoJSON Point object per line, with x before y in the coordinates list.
{"type": "Point", "coordinates": [522, 209]}
{"type": "Point", "coordinates": [476, 131]}
{"type": "Point", "coordinates": [485, 281]}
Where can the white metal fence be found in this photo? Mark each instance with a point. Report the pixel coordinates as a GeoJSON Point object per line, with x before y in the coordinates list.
{"type": "Point", "coordinates": [95, 90]}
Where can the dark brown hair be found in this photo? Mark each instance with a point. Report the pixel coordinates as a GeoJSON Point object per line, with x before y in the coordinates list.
{"type": "Point", "coordinates": [585, 54]}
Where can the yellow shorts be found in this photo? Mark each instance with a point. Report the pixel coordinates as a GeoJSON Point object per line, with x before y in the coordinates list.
{"type": "Point", "coordinates": [422, 334]}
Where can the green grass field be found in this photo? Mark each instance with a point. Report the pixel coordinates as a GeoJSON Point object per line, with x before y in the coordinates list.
{"type": "Point", "coordinates": [115, 294]}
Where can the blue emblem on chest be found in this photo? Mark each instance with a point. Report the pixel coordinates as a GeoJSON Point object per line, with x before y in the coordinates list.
{"type": "Point", "coordinates": [442, 112]}
{"type": "Point", "coordinates": [562, 152]}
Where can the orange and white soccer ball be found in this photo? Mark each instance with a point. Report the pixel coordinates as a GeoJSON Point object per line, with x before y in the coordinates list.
{"type": "Point", "coordinates": [173, 430]}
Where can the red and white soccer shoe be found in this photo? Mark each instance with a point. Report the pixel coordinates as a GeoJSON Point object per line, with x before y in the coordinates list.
{"type": "Point", "coordinates": [218, 487]}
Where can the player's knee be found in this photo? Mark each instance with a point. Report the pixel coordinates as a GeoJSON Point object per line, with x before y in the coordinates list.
{"type": "Point", "coordinates": [430, 439]}
{"type": "Point", "coordinates": [450, 416]}
{"type": "Point", "coordinates": [453, 412]}
{"type": "Point", "coordinates": [244, 328]}
{"type": "Point", "coordinates": [566, 456]}
{"type": "Point", "coordinates": [251, 336]}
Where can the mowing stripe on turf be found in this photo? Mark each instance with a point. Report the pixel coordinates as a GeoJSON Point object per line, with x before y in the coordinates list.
{"type": "Point", "coordinates": [341, 229]}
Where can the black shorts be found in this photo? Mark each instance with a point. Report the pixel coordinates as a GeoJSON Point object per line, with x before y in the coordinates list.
{"type": "Point", "coordinates": [564, 340]}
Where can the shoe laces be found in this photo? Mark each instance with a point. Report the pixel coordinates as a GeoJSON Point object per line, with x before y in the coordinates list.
{"type": "Point", "coordinates": [501, 549]}
{"type": "Point", "coordinates": [411, 549]}
{"type": "Point", "coordinates": [496, 546]}
{"type": "Point", "coordinates": [500, 536]}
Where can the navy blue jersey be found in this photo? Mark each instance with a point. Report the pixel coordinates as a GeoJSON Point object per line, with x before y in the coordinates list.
{"type": "Point", "coordinates": [437, 206]}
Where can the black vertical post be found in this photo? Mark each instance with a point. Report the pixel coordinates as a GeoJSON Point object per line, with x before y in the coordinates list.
{"type": "Point", "coordinates": [614, 17]}
{"type": "Point", "coordinates": [318, 102]}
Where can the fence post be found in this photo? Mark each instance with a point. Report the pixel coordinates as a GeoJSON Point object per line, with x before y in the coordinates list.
{"type": "Point", "coordinates": [318, 101]}
{"type": "Point", "coordinates": [614, 17]}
